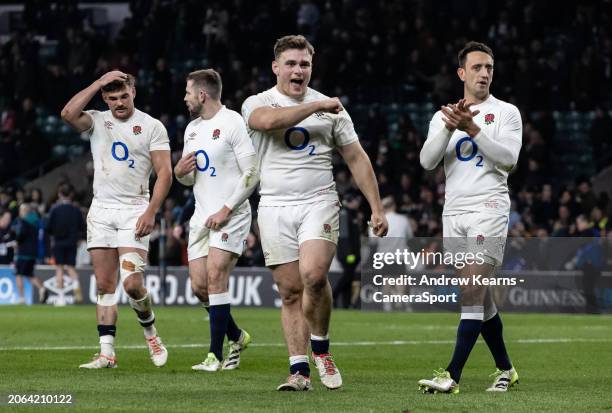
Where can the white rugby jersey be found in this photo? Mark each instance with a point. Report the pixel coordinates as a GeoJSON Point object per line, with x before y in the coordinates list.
{"type": "Point", "coordinates": [296, 163]}
{"type": "Point", "coordinates": [218, 143]}
{"type": "Point", "coordinates": [121, 155]}
{"type": "Point", "coordinates": [477, 168]}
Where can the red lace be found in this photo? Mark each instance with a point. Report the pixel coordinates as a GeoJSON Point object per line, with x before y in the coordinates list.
{"type": "Point", "coordinates": [154, 345]}
{"type": "Point", "coordinates": [328, 363]}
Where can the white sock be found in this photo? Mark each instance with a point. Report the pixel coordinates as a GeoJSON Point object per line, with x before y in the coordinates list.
{"type": "Point", "coordinates": [107, 345]}
{"type": "Point", "coordinates": [298, 359]}
{"type": "Point", "coordinates": [150, 331]}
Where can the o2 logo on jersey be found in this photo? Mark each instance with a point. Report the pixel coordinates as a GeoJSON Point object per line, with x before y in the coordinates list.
{"type": "Point", "coordinates": [473, 154]}
{"type": "Point", "coordinates": [201, 157]}
{"type": "Point", "coordinates": [120, 152]}
{"type": "Point", "coordinates": [297, 133]}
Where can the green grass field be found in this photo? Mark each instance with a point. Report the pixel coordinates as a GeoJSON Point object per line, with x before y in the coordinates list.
{"type": "Point", "coordinates": [563, 360]}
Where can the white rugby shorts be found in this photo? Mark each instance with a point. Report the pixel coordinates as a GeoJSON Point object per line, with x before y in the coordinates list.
{"type": "Point", "coordinates": [284, 228]}
{"type": "Point", "coordinates": [114, 228]}
{"type": "Point", "coordinates": [476, 232]}
{"type": "Point", "coordinates": [232, 237]}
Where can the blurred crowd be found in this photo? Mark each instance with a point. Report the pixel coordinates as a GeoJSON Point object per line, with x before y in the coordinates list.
{"type": "Point", "coordinates": [367, 52]}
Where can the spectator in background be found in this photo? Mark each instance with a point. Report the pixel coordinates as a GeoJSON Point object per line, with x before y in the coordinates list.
{"type": "Point", "coordinates": [26, 231]}
{"type": "Point", "coordinates": [599, 221]}
{"type": "Point", "coordinates": [253, 255]}
{"type": "Point", "coordinates": [66, 225]}
{"type": "Point", "coordinates": [176, 246]}
{"type": "Point", "coordinates": [590, 260]}
{"type": "Point", "coordinates": [585, 196]}
{"type": "Point", "coordinates": [400, 231]}
{"type": "Point", "coordinates": [349, 249]}
{"type": "Point", "coordinates": [7, 239]}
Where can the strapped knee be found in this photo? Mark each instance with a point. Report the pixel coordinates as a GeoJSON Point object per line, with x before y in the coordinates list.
{"type": "Point", "coordinates": [130, 263]}
{"type": "Point", "coordinates": [107, 300]}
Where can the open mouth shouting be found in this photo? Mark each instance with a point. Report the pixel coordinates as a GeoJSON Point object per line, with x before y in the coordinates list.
{"type": "Point", "coordinates": [296, 83]}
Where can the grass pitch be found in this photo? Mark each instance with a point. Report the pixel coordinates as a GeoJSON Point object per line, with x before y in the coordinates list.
{"type": "Point", "coordinates": [563, 362]}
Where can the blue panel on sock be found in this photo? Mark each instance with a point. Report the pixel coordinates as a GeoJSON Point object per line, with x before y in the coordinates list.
{"type": "Point", "coordinates": [107, 330]}
{"type": "Point", "coordinates": [492, 332]}
{"type": "Point", "coordinates": [233, 331]}
{"type": "Point", "coordinates": [467, 334]}
{"type": "Point", "coordinates": [219, 318]}
{"type": "Point", "coordinates": [319, 346]}
{"type": "Point", "coordinates": [302, 368]}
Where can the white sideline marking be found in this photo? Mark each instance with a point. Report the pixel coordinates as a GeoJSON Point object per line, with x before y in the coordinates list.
{"type": "Point", "coordinates": [334, 343]}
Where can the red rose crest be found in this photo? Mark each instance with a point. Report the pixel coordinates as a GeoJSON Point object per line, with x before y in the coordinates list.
{"type": "Point", "coordinates": [326, 228]}
{"type": "Point", "coordinates": [216, 134]}
{"type": "Point", "coordinates": [489, 118]}
{"type": "Point", "coordinates": [224, 237]}
{"type": "Point", "coordinates": [137, 130]}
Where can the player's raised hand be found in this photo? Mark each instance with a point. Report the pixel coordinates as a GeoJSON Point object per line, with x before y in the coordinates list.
{"type": "Point", "coordinates": [465, 115]}
{"type": "Point", "coordinates": [185, 165]}
{"type": "Point", "coordinates": [378, 223]}
{"type": "Point", "coordinates": [332, 105]}
{"type": "Point", "coordinates": [145, 224]}
{"type": "Point", "coordinates": [450, 118]}
{"type": "Point", "coordinates": [218, 220]}
{"type": "Point", "coordinates": [110, 77]}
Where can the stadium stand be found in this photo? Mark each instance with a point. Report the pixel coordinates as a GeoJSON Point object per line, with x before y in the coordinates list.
{"type": "Point", "coordinates": [390, 76]}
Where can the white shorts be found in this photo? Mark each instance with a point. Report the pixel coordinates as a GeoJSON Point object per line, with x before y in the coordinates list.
{"type": "Point", "coordinates": [476, 232]}
{"type": "Point", "coordinates": [284, 228]}
{"type": "Point", "coordinates": [114, 228]}
{"type": "Point", "coordinates": [232, 237]}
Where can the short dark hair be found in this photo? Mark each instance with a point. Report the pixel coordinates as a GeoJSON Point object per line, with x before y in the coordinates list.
{"type": "Point", "coordinates": [117, 85]}
{"type": "Point", "coordinates": [65, 190]}
{"type": "Point", "coordinates": [473, 47]}
{"type": "Point", "coordinates": [209, 80]}
{"type": "Point", "coordinates": [292, 42]}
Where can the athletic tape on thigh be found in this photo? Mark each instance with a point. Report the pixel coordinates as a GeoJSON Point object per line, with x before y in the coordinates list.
{"type": "Point", "coordinates": [107, 300]}
{"type": "Point", "coordinates": [475, 312]}
{"type": "Point", "coordinates": [130, 263]}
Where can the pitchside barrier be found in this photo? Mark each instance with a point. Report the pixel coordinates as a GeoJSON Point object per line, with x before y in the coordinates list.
{"type": "Point", "coordinates": [540, 291]}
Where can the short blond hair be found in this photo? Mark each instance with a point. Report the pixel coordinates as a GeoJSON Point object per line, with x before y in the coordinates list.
{"type": "Point", "coordinates": [292, 42]}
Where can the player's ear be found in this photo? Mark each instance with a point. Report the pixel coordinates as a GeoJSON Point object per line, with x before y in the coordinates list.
{"type": "Point", "coordinates": [461, 73]}
{"type": "Point", "coordinates": [275, 67]}
{"type": "Point", "coordinates": [133, 92]}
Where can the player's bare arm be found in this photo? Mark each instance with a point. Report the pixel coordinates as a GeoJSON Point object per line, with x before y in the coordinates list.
{"type": "Point", "coordinates": [269, 118]}
{"type": "Point", "coordinates": [73, 113]}
{"type": "Point", "coordinates": [163, 171]}
{"type": "Point", "coordinates": [363, 173]}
